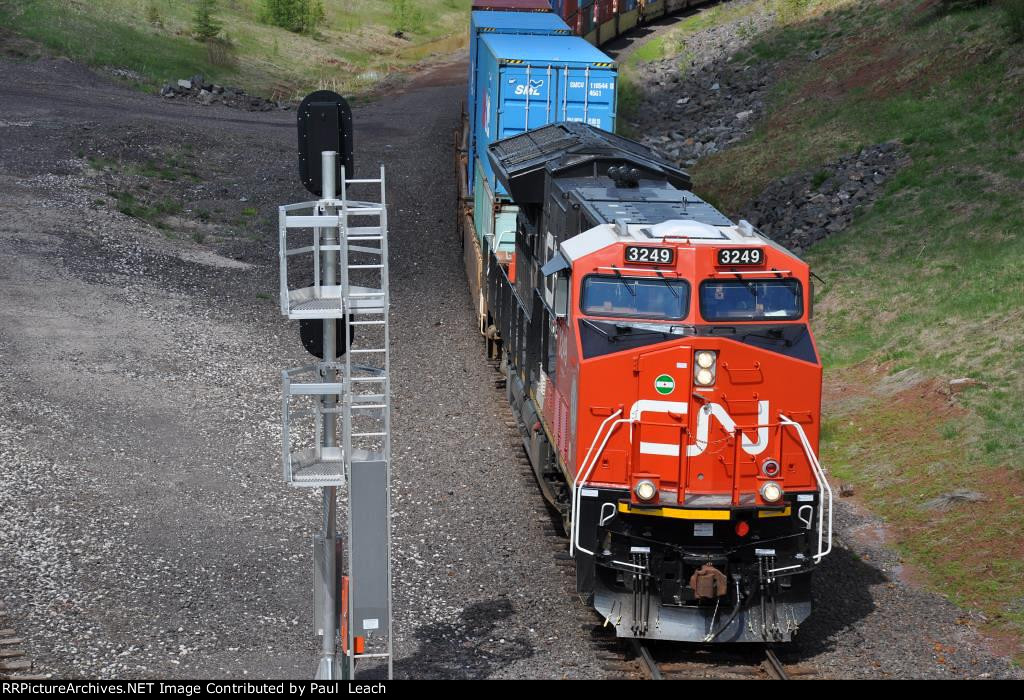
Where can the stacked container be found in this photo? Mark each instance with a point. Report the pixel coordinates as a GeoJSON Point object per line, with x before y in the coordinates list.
{"type": "Point", "coordinates": [489, 23]}
{"type": "Point", "coordinates": [526, 82]}
{"type": "Point", "coordinates": [523, 83]}
{"type": "Point", "coordinates": [513, 5]}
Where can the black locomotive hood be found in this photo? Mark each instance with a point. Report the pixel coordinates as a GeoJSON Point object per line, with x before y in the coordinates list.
{"type": "Point", "coordinates": [572, 149]}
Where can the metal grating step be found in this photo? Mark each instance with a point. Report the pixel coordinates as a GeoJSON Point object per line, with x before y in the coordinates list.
{"type": "Point", "coordinates": [313, 469]}
{"type": "Point", "coordinates": [326, 302]}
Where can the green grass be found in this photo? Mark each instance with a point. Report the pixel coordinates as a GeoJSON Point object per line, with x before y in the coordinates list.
{"type": "Point", "coordinates": [151, 212]}
{"type": "Point", "coordinates": [672, 43]}
{"type": "Point", "coordinates": [350, 53]}
{"type": "Point", "coordinates": [931, 278]}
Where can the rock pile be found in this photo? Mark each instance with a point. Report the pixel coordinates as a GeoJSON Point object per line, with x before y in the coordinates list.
{"type": "Point", "coordinates": [199, 90]}
{"type": "Point", "coordinates": [701, 101]}
{"type": "Point", "coordinates": [703, 112]}
{"type": "Point", "coordinates": [802, 209]}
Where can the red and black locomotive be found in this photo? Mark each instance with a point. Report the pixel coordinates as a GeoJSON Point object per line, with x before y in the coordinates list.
{"type": "Point", "coordinates": [667, 384]}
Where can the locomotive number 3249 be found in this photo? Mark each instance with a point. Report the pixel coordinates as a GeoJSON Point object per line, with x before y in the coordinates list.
{"type": "Point", "coordinates": [740, 256]}
{"type": "Point", "coordinates": [647, 255]}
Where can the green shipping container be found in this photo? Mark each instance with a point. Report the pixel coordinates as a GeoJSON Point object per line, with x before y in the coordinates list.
{"type": "Point", "coordinates": [495, 225]}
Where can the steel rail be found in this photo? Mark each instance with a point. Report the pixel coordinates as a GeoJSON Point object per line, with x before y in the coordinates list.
{"type": "Point", "coordinates": [774, 667]}
{"type": "Point", "coordinates": [649, 664]}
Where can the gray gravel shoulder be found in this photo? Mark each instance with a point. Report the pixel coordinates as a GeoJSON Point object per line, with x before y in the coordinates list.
{"type": "Point", "coordinates": [146, 530]}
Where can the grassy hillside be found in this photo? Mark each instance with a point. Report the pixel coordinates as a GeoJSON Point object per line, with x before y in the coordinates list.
{"type": "Point", "coordinates": [353, 49]}
{"type": "Point", "coordinates": [927, 286]}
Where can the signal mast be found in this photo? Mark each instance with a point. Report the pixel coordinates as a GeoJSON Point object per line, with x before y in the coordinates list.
{"type": "Point", "coordinates": [336, 412]}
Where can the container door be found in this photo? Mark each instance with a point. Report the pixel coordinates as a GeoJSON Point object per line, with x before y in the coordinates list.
{"type": "Point", "coordinates": [527, 99]}
{"type": "Point", "coordinates": [588, 96]}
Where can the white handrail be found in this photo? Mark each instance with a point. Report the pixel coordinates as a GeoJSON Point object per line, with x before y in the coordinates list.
{"type": "Point", "coordinates": [591, 457]}
{"type": "Point", "coordinates": [586, 470]}
{"type": "Point", "coordinates": [575, 481]}
{"type": "Point", "coordinates": [824, 494]}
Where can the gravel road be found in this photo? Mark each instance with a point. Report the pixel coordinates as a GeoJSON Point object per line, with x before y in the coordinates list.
{"type": "Point", "coordinates": [144, 528]}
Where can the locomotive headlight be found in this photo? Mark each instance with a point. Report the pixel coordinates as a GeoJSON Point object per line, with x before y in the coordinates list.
{"type": "Point", "coordinates": [704, 377]}
{"type": "Point", "coordinates": [705, 359]}
{"type": "Point", "coordinates": [645, 490]}
{"type": "Point", "coordinates": [771, 492]}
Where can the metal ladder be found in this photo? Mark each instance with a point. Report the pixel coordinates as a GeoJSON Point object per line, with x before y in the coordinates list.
{"type": "Point", "coordinates": [366, 405]}
{"type": "Point", "coordinates": [368, 305]}
{"type": "Point", "coordinates": [357, 303]}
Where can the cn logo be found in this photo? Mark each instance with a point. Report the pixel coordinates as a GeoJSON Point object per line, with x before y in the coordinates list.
{"type": "Point", "coordinates": [533, 89]}
{"type": "Point", "coordinates": [713, 409]}
{"type": "Point", "coordinates": [704, 416]}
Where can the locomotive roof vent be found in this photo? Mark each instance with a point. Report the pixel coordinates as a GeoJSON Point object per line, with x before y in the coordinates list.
{"type": "Point", "coordinates": [622, 228]}
{"type": "Point", "coordinates": [685, 228]}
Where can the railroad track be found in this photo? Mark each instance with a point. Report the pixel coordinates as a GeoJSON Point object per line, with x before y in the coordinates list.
{"type": "Point", "coordinates": [677, 662]}
{"type": "Point", "coordinates": [13, 667]}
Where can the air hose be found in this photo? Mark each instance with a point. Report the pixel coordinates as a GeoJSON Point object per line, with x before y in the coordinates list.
{"type": "Point", "coordinates": [712, 636]}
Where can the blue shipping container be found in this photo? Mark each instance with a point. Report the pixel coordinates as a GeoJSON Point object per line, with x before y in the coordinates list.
{"type": "Point", "coordinates": [485, 23]}
{"type": "Point", "coordinates": [526, 82]}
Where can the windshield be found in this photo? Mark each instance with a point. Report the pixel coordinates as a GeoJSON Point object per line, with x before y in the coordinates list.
{"type": "Point", "coordinates": [751, 300]}
{"type": "Point", "coordinates": [639, 297]}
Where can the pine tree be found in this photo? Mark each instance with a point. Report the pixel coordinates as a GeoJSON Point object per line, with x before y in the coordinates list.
{"type": "Point", "coordinates": [204, 24]}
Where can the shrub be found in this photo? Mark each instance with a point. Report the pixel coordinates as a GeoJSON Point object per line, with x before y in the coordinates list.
{"type": "Point", "coordinates": [153, 15]}
{"type": "Point", "coordinates": [302, 16]}
{"type": "Point", "coordinates": [1013, 19]}
{"type": "Point", "coordinates": [405, 16]}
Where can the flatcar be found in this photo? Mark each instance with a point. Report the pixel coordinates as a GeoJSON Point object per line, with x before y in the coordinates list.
{"type": "Point", "coordinates": [660, 363]}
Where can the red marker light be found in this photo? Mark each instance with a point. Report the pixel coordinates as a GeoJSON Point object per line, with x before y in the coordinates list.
{"type": "Point", "coordinates": [742, 528]}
